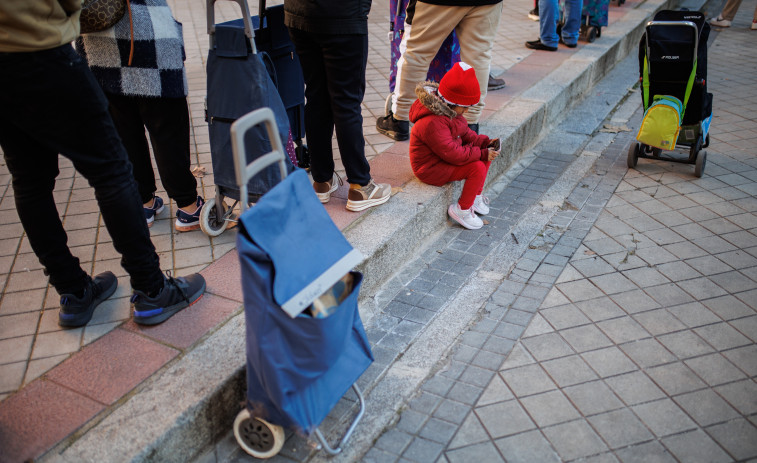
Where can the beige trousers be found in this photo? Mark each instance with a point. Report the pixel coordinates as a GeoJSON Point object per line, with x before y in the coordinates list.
{"type": "Point", "coordinates": [730, 9]}
{"type": "Point", "coordinates": [475, 26]}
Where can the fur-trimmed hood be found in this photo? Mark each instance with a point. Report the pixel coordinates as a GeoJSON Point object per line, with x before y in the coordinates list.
{"type": "Point", "coordinates": [428, 94]}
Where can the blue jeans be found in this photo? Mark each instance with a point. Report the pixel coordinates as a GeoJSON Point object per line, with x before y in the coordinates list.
{"type": "Point", "coordinates": [52, 104]}
{"type": "Point", "coordinates": [549, 14]}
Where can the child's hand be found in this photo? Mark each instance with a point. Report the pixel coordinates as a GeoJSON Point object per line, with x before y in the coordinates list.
{"type": "Point", "coordinates": [493, 154]}
{"type": "Point", "coordinates": [494, 144]}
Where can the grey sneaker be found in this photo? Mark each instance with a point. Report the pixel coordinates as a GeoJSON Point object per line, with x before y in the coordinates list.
{"type": "Point", "coordinates": [324, 189]}
{"type": "Point", "coordinates": [364, 197]}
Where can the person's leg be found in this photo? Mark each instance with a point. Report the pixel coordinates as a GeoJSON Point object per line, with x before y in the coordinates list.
{"type": "Point", "coordinates": [345, 58]}
{"type": "Point", "coordinates": [167, 122]}
{"type": "Point", "coordinates": [572, 27]}
{"type": "Point", "coordinates": [127, 118]}
{"type": "Point", "coordinates": [730, 9]}
{"type": "Point", "coordinates": [431, 26]}
{"type": "Point", "coordinates": [319, 122]}
{"type": "Point", "coordinates": [548, 15]}
{"type": "Point", "coordinates": [476, 32]}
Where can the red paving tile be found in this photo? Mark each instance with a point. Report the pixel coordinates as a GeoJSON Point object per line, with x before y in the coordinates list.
{"type": "Point", "coordinates": [395, 168]}
{"type": "Point", "coordinates": [186, 327]}
{"type": "Point", "coordinates": [38, 417]}
{"type": "Point", "coordinates": [112, 366]}
{"type": "Point", "coordinates": [224, 277]}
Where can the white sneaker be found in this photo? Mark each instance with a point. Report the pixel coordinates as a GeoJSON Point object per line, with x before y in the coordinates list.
{"type": "Point", "coordinates": [466, 218]}
{"type": "Point", "coordinates": [720, 22]}
{"type": "Point", "coordinates": [754, 25]}
{"type": "Point", "coordinates": [481, 204]}
{"type": "Point", "coordinates": [323, 190]}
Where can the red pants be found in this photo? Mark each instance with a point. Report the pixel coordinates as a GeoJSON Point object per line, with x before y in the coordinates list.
{"type": "Point", "coordinates": [474, 175]}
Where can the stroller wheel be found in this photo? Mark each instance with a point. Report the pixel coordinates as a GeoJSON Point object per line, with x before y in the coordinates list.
{"type": "Point", "coordinates": [701, 161]}
{"type": "Point", "coordinates": [212, 221]}
{"type": "Point", "coordinates": [633, 155]}
{"type": "Point", "coordinates": [258, 437]}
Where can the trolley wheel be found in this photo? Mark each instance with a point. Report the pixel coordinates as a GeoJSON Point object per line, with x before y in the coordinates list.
{"type": "Point", "coordinates": [258, 437]}
{"type": "Point", "coordinates": [701, 161]}
{"type": "Point", "coordinates": [388, 105]}
{"type": "Point", "coordinates": [694, 149]}
{"type": "Point", "coordinates": [592, 34]}
{"type": "Point", "coordinates": [211, 222]}
{"type": "Point", "coordinates": [633, 155]}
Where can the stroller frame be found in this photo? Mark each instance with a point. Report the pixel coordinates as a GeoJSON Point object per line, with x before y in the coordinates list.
{"type": "Point", "coordinates": [256, 436]}
{"type": "Point", "coordinates": [693, 137]}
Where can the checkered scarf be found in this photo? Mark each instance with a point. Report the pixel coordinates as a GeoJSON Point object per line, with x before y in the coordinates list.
{"type": "Point", "coordinates": [157, 68]}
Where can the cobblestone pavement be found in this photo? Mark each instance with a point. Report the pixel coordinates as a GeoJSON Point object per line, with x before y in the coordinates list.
{"type": "Point", "coordinates": [628, 329]}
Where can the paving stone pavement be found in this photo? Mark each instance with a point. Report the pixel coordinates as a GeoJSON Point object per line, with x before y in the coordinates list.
{"type": "Point", "coordinates": [629, 328]}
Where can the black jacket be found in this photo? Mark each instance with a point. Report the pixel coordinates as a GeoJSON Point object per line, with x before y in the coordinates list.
{"type": "Point", "coordinates": [328, 16]}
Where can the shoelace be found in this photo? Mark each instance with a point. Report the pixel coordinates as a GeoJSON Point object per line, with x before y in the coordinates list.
{"type": "Point", "coordinates": [485, 200]}
{"type": "Point", "coordinates": [169, 280]}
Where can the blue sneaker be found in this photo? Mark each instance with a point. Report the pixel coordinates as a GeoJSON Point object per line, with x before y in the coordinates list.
{"type": "Point", "coordinates": [77, 311]}
{"type": "Point", "coordinates": [176, 294]}
{"type": "Point", "coordinates": [187, 222]}
{"type": "Point", "coordinates": [151, 212]}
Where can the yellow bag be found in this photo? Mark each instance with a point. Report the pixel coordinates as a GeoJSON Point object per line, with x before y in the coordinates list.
{"type": "Point", "coordinates": [661, 123]}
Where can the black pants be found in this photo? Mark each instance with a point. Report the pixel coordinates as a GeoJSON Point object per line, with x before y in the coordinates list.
{"type": "Point", "coordinates": [334, 70]}
{"type": "Point", "coordinates": [50, 104]}
{"type": "Point", "coordinates": [167, 122]}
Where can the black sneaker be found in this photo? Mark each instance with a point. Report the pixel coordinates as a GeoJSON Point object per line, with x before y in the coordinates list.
{"type": "Point", "coordinates": [495, 83]}
{"type": "Point", "coordinates": [534, 14]}
{"type": "Point", "coordinates": [569, 45]}
{"type": "Point", "coordinates": [392, 128]}
{"type": "Point", "coordinates": [177, 294]}
{"type": "Point", "coordinates": [77, 311]}
{"type": "Point", "coordinates": [539, 45]}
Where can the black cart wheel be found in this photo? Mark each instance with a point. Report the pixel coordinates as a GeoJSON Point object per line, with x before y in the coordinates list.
{"type": "Point", "coordinates": [701, 161]}
{"type": "Point", "coordinates": [592, 35]}
{"type": "Point", "coordinates": [212, 221]}
{"type": "Point", "coordinates": [258, 437]}
{"type": "Point", "coordinates": [633, 155]}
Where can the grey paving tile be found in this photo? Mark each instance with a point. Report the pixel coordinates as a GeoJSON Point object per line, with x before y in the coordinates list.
{"type": "Point", "coordinates": [585, 338]}
{"type": "Point", "coordinates": [634, 388]}
{"type": "Point", "coordinates": [695, 447]}
{"type": "Point", "coordinates": [438, 431]}
{"type": "Point", "coordinates": [623, 329]}
{"type": "Point", "coordinates": [393, 441]}
{"type": "Point", "coordinates": [747, 326]}
{"type": "Point", "coordinates": [709, 265]}
{"type": "Point", "coordinates": [722, 336]}
{"type": "Point", "coordinates": [464, 393]}
{"type": "Point", "coordinates": [714, 369]}
{"type": "Point", "coordinates": [574, 440]}
{"type": "Point", "coordinates": [375, 455]}
{"type": "Point", "coordinates": [471, 431]}
{"type": "Point", "coordinates": [477, 376]}
{"type": "Point", "coordinates": [568, 371]}
{"type": "Point", "coordinates": [579, 290]}
{"type": "Point", "coordinates": [655, 255]}
{"type": "Point", "coordinates": [549, 408]}
{"type": "Point", "coordinates": [422, 450]}
{"type": "Point", "coordinates": [452, 411]}
{"type": "Point", "coordinates": [599, 309]}
{"type": "Point", "coordinates": [664, 417]}
{"type": "Point", "coordinates": [694, 314]}
{"type": "Point", "coordinates": [675, 378]}
{"type": "Point", "coordinates": [609, 362]}
{"type": "Point", "coordinates": [491, 418]}
{"type": "Point", "coordinates": [706, 407]}
{"type": "Point", "coordinates": [742, 395]}
{"type": "Point", "coordinates": [635, 301]}
{"type": "Point", "coordinates": [701, 288]}
{"type": "Point", "coordinates": [647, 353]}
{"type": "Point", "coordinates": [646, 452]}
{"type": "Point", "coordinates": [620, 428]}
{"type": "Point", "coordinates": [728, 307]}
{"type": "Point", "coordinates": [411, 421]}
{"type": "Point", "coordinates": [733, 282]}
{"type": "Point", "coordinates": [527, 380]}
{"type": "Point", "coordinates": [668, 295]}
{"type": "Point", "coordinates": [527, 447]}
{"type": "Point", "coordinates": [745, 358]}
{"type": "Point", "coordinates": [593, 266]}
{"type": "Point", "coordinates": [738, 437]}
{"type": "Point", "coordinates": [484, 451]}
{"type": "Point", "coordinates": [593, 397]}
{"type": "Point", "coordinates": [547, 346]}
{"type": "Point", "coordinates": [425, 402]}
{"type": "Point", "coordinates": [645, 276]}
{"type": "Point", "coordinates": [659, 322]}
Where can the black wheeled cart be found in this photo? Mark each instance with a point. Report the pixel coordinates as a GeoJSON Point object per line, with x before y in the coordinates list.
{"type": "Point", "coordinates": [306, 345]}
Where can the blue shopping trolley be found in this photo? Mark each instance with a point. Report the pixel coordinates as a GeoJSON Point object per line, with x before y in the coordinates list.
{"type": "Point", "coordinates": [299, 362]}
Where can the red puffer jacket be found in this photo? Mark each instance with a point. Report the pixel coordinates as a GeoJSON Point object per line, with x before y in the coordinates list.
{"type": "Point", "coordinates": [440, 140]}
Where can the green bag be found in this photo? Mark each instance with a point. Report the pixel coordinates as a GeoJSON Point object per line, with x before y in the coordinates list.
{"type": "Point", "coordinates": [662, 120]}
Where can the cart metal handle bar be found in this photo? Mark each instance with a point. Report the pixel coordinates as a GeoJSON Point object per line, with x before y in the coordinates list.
{"type": "Point", "coordinates": [673, 23]}
{"type": "Point", "coordinates": [322, 440]}
{"type": "Point", "coordinates": [248, 30]}
{"type": "Point", "coordinates": [244, 172]}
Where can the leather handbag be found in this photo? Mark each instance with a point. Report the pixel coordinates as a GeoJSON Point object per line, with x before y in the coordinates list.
{"type": "Point", "coordinates": [98, 15]}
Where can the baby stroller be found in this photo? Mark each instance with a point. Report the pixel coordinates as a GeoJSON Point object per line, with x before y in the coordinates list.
{"type": "Point", "coordinates": [448, 54]}
{"type": "Point", "coordinates": [306, 345]}
{"type": "Point", "coordinates": [593, 19]}
{"type": "Point", "coordinates": [673, 62]}
{"type": "Point", "coordinates": [238, 81]}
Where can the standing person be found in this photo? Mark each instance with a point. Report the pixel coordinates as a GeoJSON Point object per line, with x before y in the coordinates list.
{"type": "Point", "coordinates": [51, 104]}
{"type": "Point", "coordinates": [474, 21]}
{"type": "Point", "coordinates": [147, 88]}
{"type": "Point", "coordinates": [444, 149]}
{"type": "Point", "coordinates": [549, 13]}
{"type": "Point", "coordinates": [331, 39]}
{"type": "Point", "coordinates": [725, 18]}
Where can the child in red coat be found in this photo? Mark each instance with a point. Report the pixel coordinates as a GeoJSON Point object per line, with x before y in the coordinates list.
{"type": "Point", "coordinates": [442, 146]}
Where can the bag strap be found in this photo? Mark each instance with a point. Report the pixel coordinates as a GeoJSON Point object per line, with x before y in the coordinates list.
{"type": "Point", "coordinates": [645, 83]}
{"type": "Point", "coordinates": [131, 31]}
{"type": "Point", "coordinates": [689, 85]}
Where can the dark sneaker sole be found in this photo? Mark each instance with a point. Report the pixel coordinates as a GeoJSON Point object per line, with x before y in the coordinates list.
{"type": "Point", "coordinates": [394, 135]}
{"type": "Point", "coordinates": [170, 311]}
{"type": "Point", "coordinates": [83, 318]}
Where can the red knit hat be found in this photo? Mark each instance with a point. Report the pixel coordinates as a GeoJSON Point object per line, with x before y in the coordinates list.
{"type": "Point", "coordinates": [459, 85]}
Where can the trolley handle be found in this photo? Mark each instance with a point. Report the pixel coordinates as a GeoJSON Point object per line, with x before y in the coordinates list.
{"type": "Point", "coordinates": [244, 172]}
{"type": "Point", "coordinates": [248, 30]}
